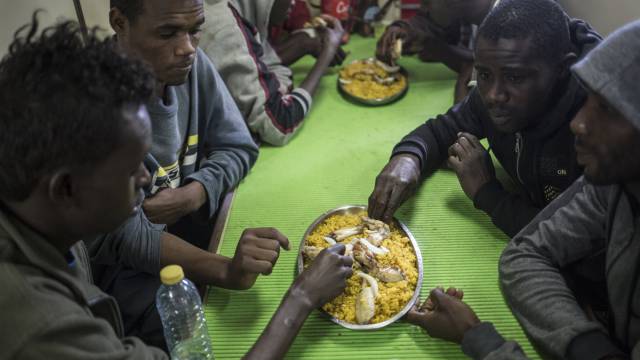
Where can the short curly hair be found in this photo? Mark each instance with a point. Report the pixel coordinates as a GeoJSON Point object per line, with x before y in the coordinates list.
{"type": "Point", "coordinates": [131, 9]}
{"type": "Point", "coordinates": [61, 102]}
{"type": "Point", "coordinates": [542, 21]}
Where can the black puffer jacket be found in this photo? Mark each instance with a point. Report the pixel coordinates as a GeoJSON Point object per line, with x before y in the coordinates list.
{"type": "Point", "coordinates": [541, 160]}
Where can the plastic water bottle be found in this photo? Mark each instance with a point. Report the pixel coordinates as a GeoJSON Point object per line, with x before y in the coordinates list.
{"type": "Point", "coordinates": [180, 308]}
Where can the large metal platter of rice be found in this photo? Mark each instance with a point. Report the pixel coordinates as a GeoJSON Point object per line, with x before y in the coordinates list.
{"type": "Point", "coordinates": [387, 266]}
{"type": "Point", "coordinates": [368, 82]}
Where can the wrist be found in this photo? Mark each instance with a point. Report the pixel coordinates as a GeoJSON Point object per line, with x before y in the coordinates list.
{"type": "Point", "coordinates": [298, 296]}
{"type": "Point", "coordinates": [196, 196]}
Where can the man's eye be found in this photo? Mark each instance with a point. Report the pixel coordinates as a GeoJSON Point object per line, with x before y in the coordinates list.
{"type": "Point", "coordinates": [167, 34]}
{"type": "Point", "coordinates": [195, 31]}
{"type": "Point", "coordinates": [483, 75]}
{"type": "Point", "coordinates": [516, 79]}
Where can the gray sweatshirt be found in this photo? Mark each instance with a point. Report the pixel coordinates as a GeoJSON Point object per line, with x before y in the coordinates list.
{"type": "Point", "coordinates": [199, 135]}
{"type": "Point", "coordinates": [584, 221]}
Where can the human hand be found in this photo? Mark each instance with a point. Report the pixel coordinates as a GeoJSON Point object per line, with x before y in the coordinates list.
{"type": "Point", "coordinates": [394, 185]}
{"type": "Point", "coordinates": [472, 164]}
{"type": "Point", "coordinates": [332, 35]}
{"type": "Point", "coordinates": [444, 315]}
{"type": "Point", "coordinates": [169, 205]}
{"type": "Point", "coordinates": [325, 278]}
{"type": "Point", "coordinates": [256, 253]}
{"type": "Point", "coordinates": [385, 49]}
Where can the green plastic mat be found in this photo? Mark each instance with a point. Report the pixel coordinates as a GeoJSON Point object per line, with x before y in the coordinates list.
{"type": "Point", "coordinates": [333, 161]}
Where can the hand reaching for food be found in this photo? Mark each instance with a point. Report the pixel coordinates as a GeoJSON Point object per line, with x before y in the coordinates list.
{"type": "Point", "coordinates": [394, 185]}
{"type": "Point", "coordinates": [389, 47]}
{"type": "Point", "coordinates": [326, 277]}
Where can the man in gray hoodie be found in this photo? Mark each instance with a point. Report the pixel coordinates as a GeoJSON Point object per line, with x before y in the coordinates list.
{"type": "Point", "coordinates": [599, 214]}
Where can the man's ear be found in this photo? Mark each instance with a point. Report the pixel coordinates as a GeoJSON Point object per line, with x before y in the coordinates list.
{"type": "Point", "coordinates": [565, 65]}
{"type": "Point", "coordinates": [119, 22]}
{"type": "Point", "coordinates": [60, 188]}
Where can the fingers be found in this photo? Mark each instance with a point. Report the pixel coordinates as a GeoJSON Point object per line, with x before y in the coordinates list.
{"type": "Point", "coordinates": [470, 138]}
{"type": "Point", "coordinates": [454, 163]}
{"type": "Point", "coordinates": [456, 293]}
{"type": "Point", "coordinates": [396, 198]}
{"type": "Point", "coordinates": [415, 316]}
{"type": "Point", "coordinates": [257, 266]}
{"type": "Point", "coordinates": [379, 199]}
{"type": "Point", "coordinates": [268, 234]}
{"type": "Point", "coordinates": [337, 249]}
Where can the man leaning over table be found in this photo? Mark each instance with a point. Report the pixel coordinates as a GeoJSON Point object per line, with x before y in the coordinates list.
{"type": "Point", "coordinates": [597, 214]}
{"type": "Point", "coordinates": [200, 149]}
{"type": "Point", "coordinates": [83, 176]}
{"type": "Point", "coordinates": [522, 105]}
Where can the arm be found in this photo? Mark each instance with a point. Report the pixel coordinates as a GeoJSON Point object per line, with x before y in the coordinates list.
{"type": "Point", "coordinates": [257, 253]}
{"type": "Point", "coordinates": [226, 150]}
{"type": "Point", "coordinates": [508, 211]}
{"type": "Point", "coordinates": [420, 153]}
{"type": "Point", "coordinates": [445, 316]}
{"type": "Point", "coordinates": [238, 55]}
{"type": "Point", "coordinates": [296, 46]}
{"type": "Point", "coordinates": [136, 243]}
{"type": "Point", "coordinates": [571, 228]}
{"type": "Point", "coordinates": [322, 281]}
{"type": "Point", "coordinates": [84, 338]}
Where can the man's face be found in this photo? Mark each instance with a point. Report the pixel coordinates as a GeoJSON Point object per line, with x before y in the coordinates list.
{"type": "Point", "coordinates": [606, 143]}
{"type": "Point", "coordinates": [165, 35]}
{"type": "Point", "coordinates": [516, 85]}
{"type": "Point", "coordinates": [280, 11]}
{"type": "Point", "coordinates": [111, 191]}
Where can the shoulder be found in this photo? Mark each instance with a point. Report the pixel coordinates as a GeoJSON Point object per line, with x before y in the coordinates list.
{"type": "Point", "coordinates": [31, 302]}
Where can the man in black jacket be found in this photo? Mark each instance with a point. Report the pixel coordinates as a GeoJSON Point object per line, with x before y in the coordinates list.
{"type": "Point", "coordinates": [523, 104]}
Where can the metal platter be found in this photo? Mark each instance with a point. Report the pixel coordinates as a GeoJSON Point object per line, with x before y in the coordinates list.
{"type": "Point", "coordinates": [356, 209]}
{"type": "Point", "coordinates": [379, 101]}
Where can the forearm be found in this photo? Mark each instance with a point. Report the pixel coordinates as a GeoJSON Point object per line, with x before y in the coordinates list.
{"type": "Point", "coordinates": [275, 340]}
{"type": "Point", "coordinates": [509, 212]}
{"type": "Point", "coordinates": [571, 228]}
{"type": "Point", "coordinates": [293, 48]}
{"type": "Point", "coordinates": [310, 83]}
{"type": "Point", "coordinates": [200, 266]}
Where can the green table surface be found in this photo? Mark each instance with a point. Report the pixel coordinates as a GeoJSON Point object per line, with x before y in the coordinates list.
{"type": "Point", "coordinates": [333, 161]}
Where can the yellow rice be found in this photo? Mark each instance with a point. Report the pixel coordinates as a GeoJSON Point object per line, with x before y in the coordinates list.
{"type": "Point", "coordinates": [364, 86]}
{"type": "Point", "coordinates": [392, 296]}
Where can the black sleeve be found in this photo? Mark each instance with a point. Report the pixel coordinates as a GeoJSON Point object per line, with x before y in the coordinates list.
{"type": "Point", "coordinates": [508, 211]}
{"type": "Point", "coordinates": [430, 142]}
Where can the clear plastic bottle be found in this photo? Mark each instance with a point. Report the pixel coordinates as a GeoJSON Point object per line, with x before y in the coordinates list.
{"type": "Point", "coordinates": [180, 308]}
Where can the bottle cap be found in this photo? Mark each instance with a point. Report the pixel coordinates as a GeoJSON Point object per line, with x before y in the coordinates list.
{"type": "Point", "coordinates": [171, 274]}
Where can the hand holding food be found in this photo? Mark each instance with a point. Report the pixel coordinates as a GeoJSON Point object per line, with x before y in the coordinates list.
{"type": "Point", "coordinates": [326, 277]}
{"type": "Point", "coordinates": [394, 185]}
{"type": "Point", "coordinates": [388, 48]}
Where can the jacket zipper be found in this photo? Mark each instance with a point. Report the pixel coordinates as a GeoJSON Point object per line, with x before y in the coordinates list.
{"type": "Point", "coordinates": [519, 145]}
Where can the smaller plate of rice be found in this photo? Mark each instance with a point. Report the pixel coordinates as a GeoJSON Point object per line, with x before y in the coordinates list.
{"type": "Point", "coordinates": [365, 82]}
{"type": "Point", "coordinates": [393, 299]}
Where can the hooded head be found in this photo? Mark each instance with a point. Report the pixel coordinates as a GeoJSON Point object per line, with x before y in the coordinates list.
{"type": "Point", "coordinates": [607, 128]}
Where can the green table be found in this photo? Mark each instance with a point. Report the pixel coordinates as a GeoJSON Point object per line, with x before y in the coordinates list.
{"type": "Point", "coordinates": [333, 161]}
